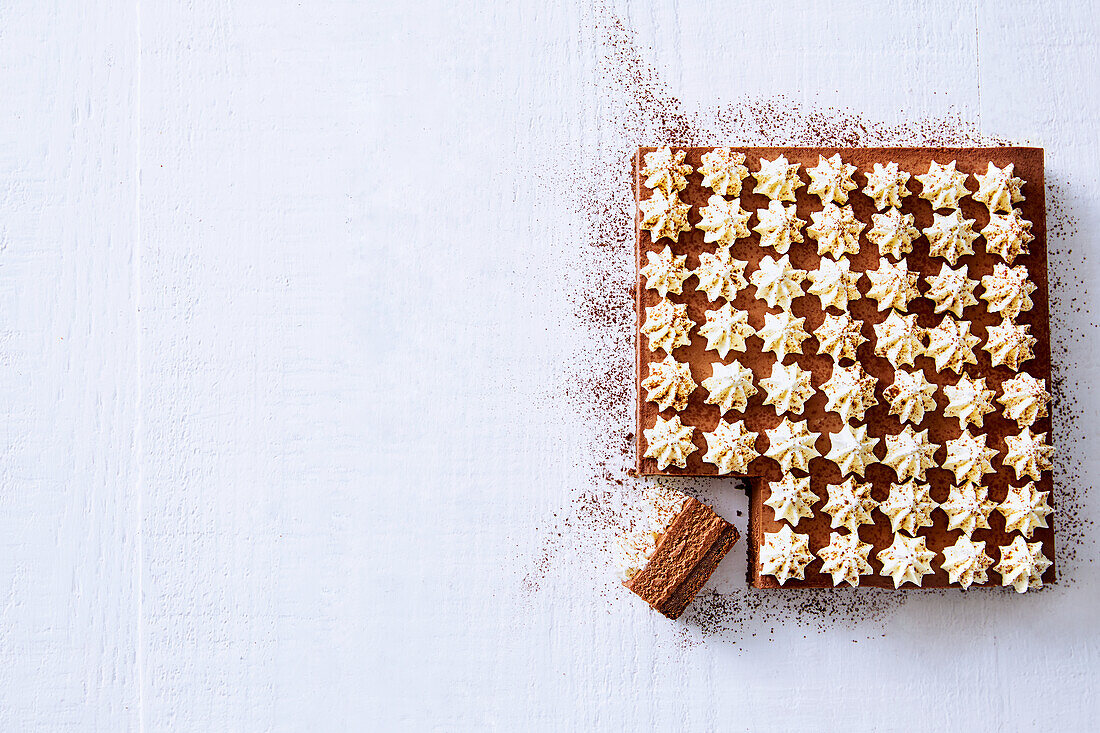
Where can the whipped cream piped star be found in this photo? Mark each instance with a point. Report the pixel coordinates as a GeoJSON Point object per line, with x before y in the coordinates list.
{"type": "Point", "coordinates": [730, 447]}
{"type": "Point", "coordinates": [966, 562]}
{"type": "Point", "coordinates": [1029, 454]}
{"type": "Point", "coordinates": [998, 189]}
{"type": "Point", "coordinates": [664, 216]}
{"type": "Point", "coordinates": [909, 506]}
{"type": "Point", "coordinates": [791, 444]}
{"type": "Point", "coordinates": [951, 236]}
{"type": "Point", "coordinates": [943, 185]}
{"type": "Point", "coordinates": [1025, 399]}
{"type": "Point", "coordinates": [910, 396]}
{"type": "Point", "coordinates": [723, 221]}
{"type": "Point", "coordinates": [951, 290]}
{"type": "Point", "coordinates": [1025, 509]}
{"type": "Point", "coordinates": [669, 384]}
{"type": "Point", "coordinates": [906, 560]}
{"type": "Point", "coordinates": [777, 179]}
{"type": "Point", "coordinates": [788, 388]}
{"type": "Point", "coordinates": [791, 499]}
{"type": "Point", "coordinates": [665, 272]}
{"type": "Point", "coordinates": [723, 171]}
{"type": "Point", "coordinates": [729, 386]}
{"type": "Point", "coordinates": [839, 337]}
{"type": "Point", "coordinates": [720, 275]}
{"type": "Point", "coordinates": [777, 283]}
{"type": "Point", "coordinates": [893, 286]}
{"type": "Point", "coordinates": [831, 179]}
{"type": "Point", "coordinates": [667, 325]}
{"type": "Point", "coordinates": [968, 508]}
{"type": "Point", "coordinates": [850, 505]}
{"type": "Point", "coordinates": [726, 329]}
{"type": "Point", "coordinates": [778, 227]}
{"type": "Point", "coordinates": [1008, 290]}
{"type": "Point", "coordinates": [969, 401]}
{"type": "Point", "coordinates": [899, 339]}
{"type": "Point", "coordinates": [834, 283]}
{"type": "Point", "coordinates": [852, 450]}
{"type": "Point", "coordinates": [850, 390]}
{"type": "Point", "coordinates": [1007, 235]}
{"type": "Point", "coordinates": [893, 232]}
{"type": "Point", "coordinates": [886, 185]}
{"type": "Point", "coordinates": [910, 453]}
{"type": "Point", "coordinates": [783, 334]}
{"type": "Point", "coordinates": [1022, 565]}
{"type": "Point", "coordinates": [845, 558]}
{"type": "Point", "coordinates": [785, 554]}
{"type": "Point", "coordinates": [666, 170]}
{"type": "Point", "coordinates": [1009, 344]}
{"type": "Point", "coordinates": [669, 441]}
{"type": "Point", "coordinates": [951, 345]}
{"type": "Point", "coordinates": [836, 230]}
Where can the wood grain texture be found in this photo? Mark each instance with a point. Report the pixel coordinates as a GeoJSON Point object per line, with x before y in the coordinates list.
{"type": "Point", "coordinates": [259, 259]}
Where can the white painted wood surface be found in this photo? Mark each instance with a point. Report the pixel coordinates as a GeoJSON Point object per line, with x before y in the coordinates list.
{"type": "Point", "coordinates": [280, 323]}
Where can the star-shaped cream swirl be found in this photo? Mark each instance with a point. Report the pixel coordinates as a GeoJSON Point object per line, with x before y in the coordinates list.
{"type": "Point", "coordinates": [665, 272]}
{"type": "Point", "coordinates": [778, 227]}
{"type": "Point", "coordinates": [852, 450]}
{"type": "Point", "coordinates": [968, 507]}
{"type": "Point", "coordinates": [839, 337]}
{"type": "Point", "coordinates": [910, 396]}
{"type": "Point", "coordinates": [777, 283]}
{"type": "Point", "coordinates": [951, 290]}
{"type": "Point", "coordinates": [850, 505]}
{"type": "Point", "coordinates": [969, 401]}
{"type": "Point", "coordinates": [723, 170]}
{"type": "Point", "coordinates": [906, 560]}
{"type": "Point", "coordinates": [785, 554]}
{"type": "Point", "coordinates": [1007, 235]}
{"type": "Point", "coordinates": [1008, 290]}
{"type": "Point", "coordinates": [831, 179]}
{"type": "Point", "coordinates": [836, 230]}
{"type": "Point", "coordinates": [893, 232]}
{"type": "Point", "coordinates": [1025, 399]}
{"type": "Point", "coordinates": [730, 447]}
{"type": "Point", "coordinates": [1009, 344]}
{"type": "Point", "coordinates": [910, 453]}
{"type": "Point", "coordinates": [886, 185]}
{"type": "Point", "coordinates": [834, 283]}
{"type": "Point", "coordinates": [791, 499]}
{"type": "Point", "coordinates": [1029, 454]}
{"type": "Point", "coordinates": [726, 329]}
{"type": "Point", "coordinates": [951, 345]}
{"type": "Point", "coordinates": [899, 339]}
{"type": "Point", "coordinates": [667, 325]}
{"type": "Point", "coordinates": [951, 236]}
{"type": "Point", "coordinates": [998, 189]}
{"type": "Point", "coordinates": [783, 334]}
{"type": "Point", "coordinates": [723, 221]}
{"type": "Point", "coordinates": [893, 286]}
{"type": "Point", "coordinates": [1022, 564]}
{"type": "Point", "coordinates": [1025, 509]}
{"type": "Point", "coordinates": [729, 386]}
{"type": "Point", "coordinates": [720, 275]}
{"type": "Point", "coordinates": [777, 179]}
{"type": "Point", "coordinates": [791, 444]}
{"type": "Point", "coordinates": [669, 384]}
{"type": "Point", "coordinates": [669, 441]}
{"type": "Point", "coordinates": [850, 390]}
{"type": "Point", "coordinates": [908, 506]}
{"type": "Point", "coordinates": [845, 558]}
{"type": "Point", "coordinates": [664, 216]}
{"type": "Point", "coordinates": [665, 170]}
{"type": "Point", "coordinates": [788, 388]}
{"type": "Point", "coordinates": [966, 562]}
{"type": "Point", "coordinates": [943, 185]}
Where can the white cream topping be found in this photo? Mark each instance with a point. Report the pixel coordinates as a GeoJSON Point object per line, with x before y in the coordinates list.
{"type": "Point", "coordinates": [998, 189]}
{"type": "Point", "coordinates": [1008, 235]}
{"type": "Point", "coordinates": [1008, 290]}
{"type": "Point", "coordinates": [944, 185]}
{"type": "Point", "coordinates": [836, 230]}
{"type": "Point", "coordinates": [1028, 454]}
{"type": "Point", "coordinates": [791, 444]}
{"type": "Point", "coordinates": [852, 450]}
{"type": "Point", "coordinates": [831, 179]}
{"type": "Point", "coordinates": [730, 386]}
{"type": "Point", "coordinates": [834, 283]}
{"type": "Point", "coordinates": [850, 390]}
{"type": "Point", "coordinates": [1025, 399]}
{"type": "Point", "coordinates": [839, 337]}
{"type": "Point", "coordinates": [720, 275]}
{"type": "Point", "coordinates": [1009, 344]}
{"type": "Point", "coordinates": [791, 499]}
{"type": "Point", "coordinates": [966, 562]}
{"type": "Point", "coordinates": [723, 221]}
{"type": "Point", "coordinates": [906, 560]}
{"type": "Point", "coordinates": [669, 442]}
{"type": "Point", "coordinates": [951, 345]}
{"type": "Point", "coordinates": [777, 283]}
{"type": "Point", "coordinates": [1025, 509]}
{"type": "Point", "coordinates": [664, 216]}
{"type": "Point", "coordinates": [969, 401]}
{"type": "Point", "coordinates": [908, 506]}
{"type": "Point", "coordinates": [951, 290]}
{"type": "Point", "coordinates": [850, 505]}
{"type": "Point", "coordinates": [783, 334]}
{"type": "Point", "coordinates": [893, 286]}
{"type": "Point", "coordinates": [910, 396]}
{"type": "Point", "coordinates": [893, 232]}
{"type": "Point", "coordinates": [1022, 565]}
{"type": "Point", "coordinates": [909, 453]}
{"type": "Point", "coordinates": [669, 384]}
{"type": "Point", "coordinates": [659, 506]}
{"type": "Point", "coordinates": [723, 171]}
{"type": "Point", "coordinates": [730, 447]}
{"type": "Point", "coordinates": [665, 170]}
{"type": "Point", "coordinates": [899, 339]}
{"type": "Point", "coordinates": [968, 457]}
{"type": "Point", "coordinates": [667, 325]}
{"type": "Point", "coordinates": [788, 388]}
{"type": "Point", "coordinates": [777, 179]}
{"type": "Point", "coordinates": [951, 236]}
{"type": "Point", "coordinates": [726, 329]}
{"type": "Point", "coordinates": [968, 507]}
{"type": "Point", "coordinates": [845, 558]}
{"type": "Point", "coordinates": [886, 185]}
{"type": "Point", "coordinates": [665, 272]}
{"type": "Point", "coordinates": [779, 227]}
{"type": "Point", "coordinates": [785, 554]}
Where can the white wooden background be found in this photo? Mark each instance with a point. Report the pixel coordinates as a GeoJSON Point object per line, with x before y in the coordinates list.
{"type": "Point", "coordinates": [281, 330]}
